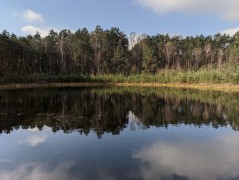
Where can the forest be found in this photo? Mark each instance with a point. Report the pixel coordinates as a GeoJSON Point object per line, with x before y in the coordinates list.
{"type": "Point", "coordinates": [100, 53]}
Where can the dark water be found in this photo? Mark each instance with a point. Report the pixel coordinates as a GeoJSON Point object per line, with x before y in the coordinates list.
{"type": "Point", "coordinates": [117, 133]}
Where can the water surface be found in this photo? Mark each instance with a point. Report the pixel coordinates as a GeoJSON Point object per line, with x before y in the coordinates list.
{"type": "Point", "coordinates": [118, 133]}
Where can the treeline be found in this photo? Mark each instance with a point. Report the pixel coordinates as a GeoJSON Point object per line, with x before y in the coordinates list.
{"type": "Point", "coordinates": [110, 52]}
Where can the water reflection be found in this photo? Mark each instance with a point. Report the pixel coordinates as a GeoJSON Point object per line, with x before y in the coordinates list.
{"type": "Point", "coordinates": [38, 172]}
{"type": "Point", "coordinates": [36, 140]}
{"type": "Point", "coordinates": [183, 153]}
{"type": "Point", "coordinates": [125, 134]}
{"type": "Point", "coordinates": [189, 159]}
{"type": "Point", "coordinates": [104, 111]}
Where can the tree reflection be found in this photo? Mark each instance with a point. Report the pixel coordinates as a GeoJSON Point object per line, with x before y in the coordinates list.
{"type": "Point", "coordinates": [109, 111]}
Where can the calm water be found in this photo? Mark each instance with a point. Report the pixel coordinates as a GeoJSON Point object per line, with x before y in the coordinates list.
{"type": "Point", "coordinates": [117, 133]}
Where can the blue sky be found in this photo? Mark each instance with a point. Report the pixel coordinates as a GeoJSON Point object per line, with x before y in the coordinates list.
{"type": "Point", "coordinates": [184, 17]}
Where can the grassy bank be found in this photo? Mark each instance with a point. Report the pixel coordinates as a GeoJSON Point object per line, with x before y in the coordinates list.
{"type": "Point", "coordinates": [226, 75]}
{"type": "Point", "coordinates": [189, 77]}
{"type": "Point", "coordinates": [227, 87]}
{"type": "Point", "coordinates": [203, 79]}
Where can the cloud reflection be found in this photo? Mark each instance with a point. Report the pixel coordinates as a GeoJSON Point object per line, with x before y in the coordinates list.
{"type": "Point", "coordinates": [35, 129]}
{"type": "Point", "coordinates": [37, 172]}
{"type": "Point", "coordinates": [190, 159]}
{"type": "Point", "coordinates": [36, 140]}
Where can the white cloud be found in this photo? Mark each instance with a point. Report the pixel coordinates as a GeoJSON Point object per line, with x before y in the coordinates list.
{"type": "Point", "coordinates": [199, 160]}
{"type": "Point", "coordinates": [226, 9]}
{"type": "Point", "coordinates": [33, 29]}
{"type": "Point", "coordinates": [230, 31]}
{"type": "Point", "coordinates": [31, 16]}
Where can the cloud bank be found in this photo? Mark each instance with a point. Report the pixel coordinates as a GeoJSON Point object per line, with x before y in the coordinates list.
{"type": "Point", "coordinates": [225, 9]}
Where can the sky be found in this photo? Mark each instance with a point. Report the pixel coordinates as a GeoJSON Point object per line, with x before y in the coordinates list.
{"type": "Point", "coordinates": [175, 17]}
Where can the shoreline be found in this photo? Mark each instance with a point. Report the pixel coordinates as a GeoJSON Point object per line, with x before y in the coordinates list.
{"type": "Point", "coordinates": [224, 87]}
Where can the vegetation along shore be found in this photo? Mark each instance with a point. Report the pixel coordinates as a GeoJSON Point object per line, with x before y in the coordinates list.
{"type": "Point", "coordinates": [111, 57]}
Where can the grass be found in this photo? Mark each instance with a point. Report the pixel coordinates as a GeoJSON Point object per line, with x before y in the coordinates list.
{"type": "Point", "coordinates": [227, 79]}
{"type": "Point", "coordinates": [227, 74]}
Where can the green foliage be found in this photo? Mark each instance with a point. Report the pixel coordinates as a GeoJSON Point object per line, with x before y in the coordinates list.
{"type": "Point", "coordinates": [227, 75]}
{"type": "Point", "coordinates": [104, 55]}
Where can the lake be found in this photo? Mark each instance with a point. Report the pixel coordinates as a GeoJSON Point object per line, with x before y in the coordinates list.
{"type": "Point", "coordinates": [118, 133]}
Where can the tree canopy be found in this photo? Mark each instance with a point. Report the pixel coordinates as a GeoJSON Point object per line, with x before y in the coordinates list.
{"type": "Point", "coordinates": [110, 52]}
